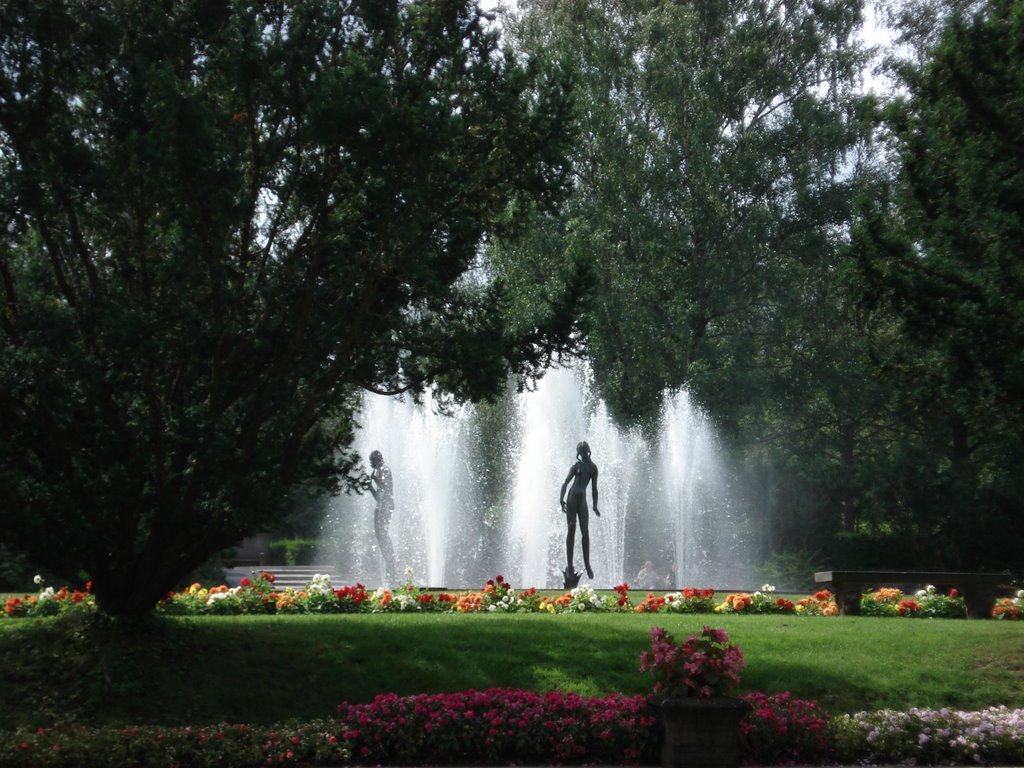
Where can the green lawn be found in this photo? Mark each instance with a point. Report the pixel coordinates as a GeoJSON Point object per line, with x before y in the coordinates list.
{"type": "Point", "coordinates": [264, 669]}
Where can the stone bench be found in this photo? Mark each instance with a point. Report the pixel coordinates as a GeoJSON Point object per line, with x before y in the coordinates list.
{"type": "Point", "coordinates": [979, 590]}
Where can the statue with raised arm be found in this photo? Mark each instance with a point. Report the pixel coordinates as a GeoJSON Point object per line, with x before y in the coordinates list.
{"type": "Point", "coordinates": [582, 472]}
{"type": "Point", "coordinates": [382, 488]}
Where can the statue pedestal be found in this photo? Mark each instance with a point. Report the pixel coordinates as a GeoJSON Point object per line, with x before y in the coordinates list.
{"type": "Point", "coordinates": [571, 580]}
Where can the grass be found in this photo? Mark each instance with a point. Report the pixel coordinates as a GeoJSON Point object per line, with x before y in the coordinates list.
{"type": "Point", "coordinates": [176, 671]}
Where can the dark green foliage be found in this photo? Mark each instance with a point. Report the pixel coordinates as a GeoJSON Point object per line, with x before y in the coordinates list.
{"type": "Point", "coordinates": [945, 258]}
{"type": "Point", "coordinates": [218, 222]}
{"type": "Point", "coordinates": [712, 185]}
{"type": "Point", "coordinates": [293, 551]}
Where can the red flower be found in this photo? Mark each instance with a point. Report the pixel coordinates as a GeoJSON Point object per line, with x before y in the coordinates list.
{"type": "Point", "coordinates": [245, 582]}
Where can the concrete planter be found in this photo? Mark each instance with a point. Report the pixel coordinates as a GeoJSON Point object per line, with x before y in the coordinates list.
{"type": "Point", "coordinates": [700, 733]}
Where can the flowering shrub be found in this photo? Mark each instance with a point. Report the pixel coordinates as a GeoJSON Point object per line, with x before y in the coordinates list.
{"type": "Point", "coordinates": [821, 603]}
{"type": "Point", "coordinates": [351, 599]}
{"type": "Point", "coordinates": [931, 737]}
{"type": "Point", "coordinates": [255, 595]}
{"type": "Point", "coordinates": [1009, 608]}
{"type": "Point", "coordinates": [585, 599]}
{"type": "Point", "coordinates": [622, 601]}
{"type": "Point", "coordinates": [234, 746]}
{"type": "Point", "coordinates": [499, 727]}
{"type": "Point", "coordinates": [690, 601]}
{"type": "Point", "coordinates": [762, 601]}
{"type": "Point", "coordinates": [49, 602]}
{"type": "Point", "coordinates": [651, 604]}
{"type": "Point", "coordinates": [687, 601]}
{"type": "Point", "coordinates": [781, 729]}
{"type": "Point", "coordinates": [881, 602]}
{"type": "Point", "coordinates": [705, 665]}
{"type": "Point", "coordinates": [933, 604]}
{"type": "Point", "coordinates": [926, 603]}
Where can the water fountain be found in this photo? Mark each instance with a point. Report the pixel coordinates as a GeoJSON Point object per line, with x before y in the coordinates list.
{"type": "Point", "coordinates": [460, 519]}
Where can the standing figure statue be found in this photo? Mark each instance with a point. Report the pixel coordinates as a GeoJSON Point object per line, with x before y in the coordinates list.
{"type": "Point", "coordinates": [382, 488]}
{"type": "Point", "coordinates": [583, 471]}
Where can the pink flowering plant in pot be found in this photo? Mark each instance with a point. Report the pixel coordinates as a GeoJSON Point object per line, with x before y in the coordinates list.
{"type": "Point", "coordinates": [706, 665]}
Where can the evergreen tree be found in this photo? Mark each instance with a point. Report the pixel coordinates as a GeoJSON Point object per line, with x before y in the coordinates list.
{"type": "Point", "coordinates": [946, 258]}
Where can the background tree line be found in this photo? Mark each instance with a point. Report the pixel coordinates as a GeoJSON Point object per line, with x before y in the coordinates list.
{"type": "Point", "coordinates": [222, 220]}
{"type": "Point", "coordinates": [835, 274]}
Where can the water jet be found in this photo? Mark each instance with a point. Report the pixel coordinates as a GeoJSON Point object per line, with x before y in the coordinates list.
{"type": "Point", "coordinates": [473, 500]}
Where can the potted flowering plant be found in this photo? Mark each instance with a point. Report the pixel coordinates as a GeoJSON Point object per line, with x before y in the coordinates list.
{"type": "Point", "coordinates": [693, 683]}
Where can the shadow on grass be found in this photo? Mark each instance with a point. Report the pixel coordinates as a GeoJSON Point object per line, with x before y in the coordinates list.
{"type": "Point", "coordinates": [203, 670]}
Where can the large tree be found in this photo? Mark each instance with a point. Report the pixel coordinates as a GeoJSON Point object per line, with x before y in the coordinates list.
{"type": "Point", "coordinates": [713, 185]}
{"type": "Point", "coordinates": [955, 276]}
{"type": "Point", "coordinates": [219, 221]}
{"type": "Point", "coordinates": [946, 257]}
{"type": "Point", "coordinates": [724, 146]}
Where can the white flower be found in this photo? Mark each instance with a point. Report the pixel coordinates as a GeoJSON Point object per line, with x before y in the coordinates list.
{"type": "Point", "coordinates": [215, 597]}
{"type": "Point", "coordinates": [768, 588]}
{"type": "Point", "coordinates": [46, 594]}
{"type": "Point", "coordinates": [320, 584]}
{"type": "Point", "coordinates": [38, 579]}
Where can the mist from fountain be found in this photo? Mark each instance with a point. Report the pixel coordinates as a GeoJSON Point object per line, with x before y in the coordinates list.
{"type": "Point", "coordinates": [460, 518]}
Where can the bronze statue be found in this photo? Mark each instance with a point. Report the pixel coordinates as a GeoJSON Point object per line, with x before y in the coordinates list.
{"type": "Point", "coordinates": [583, 471]}
{"type": "Point", "coordinates": [382, 488]}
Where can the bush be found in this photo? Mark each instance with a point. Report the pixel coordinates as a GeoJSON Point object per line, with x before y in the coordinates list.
{"type": "Point", "coordinates": [993, 736]}
{"type": "Point", "coordinates": [781, 729]}
{"type": "Point", "coordinates": [294, 551]}
{"type": "Point", "coordinates": [224, 745]}
{"type": "Point", "coordinates": [499, 727]}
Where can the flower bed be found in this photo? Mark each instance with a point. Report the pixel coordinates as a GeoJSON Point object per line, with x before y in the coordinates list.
{"type": "Point", "coordinates": [230, 746]}
{"type": "Point", "coordinates": [499, 727]}
{"type": "Point", "coordinates": [925, 603]}
{"type": "Point", "coordinates": [504, 726]}
{"type": "Point", "coordinates": [50, 602]}
{"type": "Point", "coordinates": [259, 595]}
{"type": "Point", "coordinates": [1009, 608]}
{"type": "Point", "coordinates": [993, 736]}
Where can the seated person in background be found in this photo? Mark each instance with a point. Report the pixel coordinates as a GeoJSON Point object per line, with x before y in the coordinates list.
{"type": "Point", "coordinates": [647, 578]}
